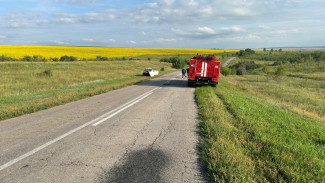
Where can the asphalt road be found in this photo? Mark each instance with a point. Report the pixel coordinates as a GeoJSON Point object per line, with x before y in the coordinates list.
{"type": "Point", "coordinates": [228, 62]}
{"type": "Point", "coordinates": [143, 133]}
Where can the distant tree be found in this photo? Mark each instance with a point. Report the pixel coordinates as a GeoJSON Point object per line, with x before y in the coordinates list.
{"type": "Point", "coordinates": [225, 71]}
{"type": "Point", "coordinates": [5, 58]}
{"type": "Point", "coordinates": [267, 71]}
{"type": "Point", "coordinates": [241, 70]}
{"type": "Point", "coordinates": [250, 51]}
{"type": "Point", "coordinates": [55, 59]}
{"type": "Point", "coordinates": [65, 58]}
{"type": "Point", "coordinates": [100, 58]}
{"type": "Point", "coordinates": [279, 73]}
{"type": "Point", "coordinates": [177, 63]}
{"type": "Point", "coordinates": [264, 49]}
{"type": "Point", "coordinates": [280, 50]}
{"type": "Point", "coordinates": [72, 58]}
{"type": "Point", "coordinates": [38, 58]}
{"type": "Point", "coordinates": [271, 49]}
{"type": "Point", "coordinates": [27, 58]}
{"type": "Point", "coordinates": [68, 58]}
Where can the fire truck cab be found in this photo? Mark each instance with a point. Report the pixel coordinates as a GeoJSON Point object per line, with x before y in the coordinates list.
{"type": "Point", "coordinates": [204, 69]}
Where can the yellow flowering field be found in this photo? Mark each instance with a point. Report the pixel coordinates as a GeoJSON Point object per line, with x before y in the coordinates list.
{"type": "Point", "coordinates": [18, 52]}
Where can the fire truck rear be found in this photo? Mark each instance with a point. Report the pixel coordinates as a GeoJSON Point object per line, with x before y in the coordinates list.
{"type": "Point", "coordinates": [204, 69]}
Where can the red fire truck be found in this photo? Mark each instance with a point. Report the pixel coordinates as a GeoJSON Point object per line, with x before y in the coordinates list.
{"type": "Point", "coordinates": [204, 69]}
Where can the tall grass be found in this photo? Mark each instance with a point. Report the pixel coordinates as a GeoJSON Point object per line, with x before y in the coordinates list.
{"type": "Point", "coordinates": [303, 95]}
{"type": "Point", "coordinates": [29, 87]}
{"type": "Point", "coordinates": [250, 139]}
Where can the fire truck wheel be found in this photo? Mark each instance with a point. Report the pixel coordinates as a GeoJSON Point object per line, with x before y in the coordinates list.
{"type": "Point", "coordinates": [213, 85]}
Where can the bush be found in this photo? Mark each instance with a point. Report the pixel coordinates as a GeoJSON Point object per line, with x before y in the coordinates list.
{"type": "Point", "coordinates": [27, 58]}
{"type": "Point", "coordinates": [246, 52]}
{"type": "Point", "coordinates": [225, 71]}
{"type": "Point", "coordinates": [55, 59]}
{"type": "Point", "coordinates": [280, 71]}
{"type": "Point", "coordinates": [242, 67]}
{"type": "Point", "coordinates": [233, 71]}
{"type": "Point", "coordinates": [68, 58]}
{"type": "Point", "coordinates": [5, 58]}
{"type": "Point", "coordinates": [162, 69]}
{"type": "Point", "coordinates": [165, 60]}
{"type": "Point", "coordinates": [241, 70]}
{"type": "Point", "coordinates": [177, 63]}
{"type": "Point", "coordinates": [38, 58]}
{"type": "Point", "coordinates": [47, 73]}
{"type": "Point", "coordinates": [100, 58]}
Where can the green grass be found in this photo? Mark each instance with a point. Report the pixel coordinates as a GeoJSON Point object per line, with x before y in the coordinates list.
{"type": "Point", "coordinates": [261, 127]}
{"type": "Point", "coordinates": [29, 87]}
{"type": "Point", "coordinates": [247, 138]}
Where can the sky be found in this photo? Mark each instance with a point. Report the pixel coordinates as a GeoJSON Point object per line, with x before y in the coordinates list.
{"type": "Point", "coordinates": [232, 24]}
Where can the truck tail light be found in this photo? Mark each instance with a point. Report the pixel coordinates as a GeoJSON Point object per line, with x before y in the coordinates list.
{"type": "Point", "coordinates": [192, 65]}
{"type": "Point", "coordinates": [217, 66]}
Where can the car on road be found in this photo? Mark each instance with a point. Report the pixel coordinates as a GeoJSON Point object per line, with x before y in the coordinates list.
{"type": "Point", "coordinates": [150, 72]}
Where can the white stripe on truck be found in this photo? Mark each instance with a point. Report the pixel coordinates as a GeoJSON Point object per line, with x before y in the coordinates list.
{"type": "Point", "coordinates": [202, 69]}
{"type": "Point", "coordinates": [205, 69]}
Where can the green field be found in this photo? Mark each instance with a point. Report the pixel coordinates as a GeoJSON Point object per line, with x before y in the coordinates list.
{"type": "Point", "coordinates": [27, 87]}
{"type": "Point", "coordinates": [264, 127]}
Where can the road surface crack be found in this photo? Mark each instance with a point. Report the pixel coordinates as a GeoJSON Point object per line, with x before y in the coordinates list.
{"type": "Point", "coordinates": [80, 163]}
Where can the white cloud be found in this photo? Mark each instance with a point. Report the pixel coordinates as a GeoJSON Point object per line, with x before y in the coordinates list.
{"type": "Point", "coordinates": [75, 2]}
{"type": "Point", "coordinates": [112, 40]}
{"type": "Point", "coordinates": [285, 32]}
{"type": "Point", "coordinates": [88, 39]}
{"type": "Point", "coordinates": [90, 17]}
{"type": "Point", "coordinates": [131, 42]}
{"type": "Point", "coordinates": [240, 11]}
{"type": "Point", "coordinates": [151, 5]}
{"type": "Point", "coordinates": [58, 42]}
{"type": "Point", "coordinates": [160, 40]}
{"type": "Point", "coordinates": [207, 32]}
{"type": "Point", "coordinates": [231, 29]}
{"type": "Point", "coordinates": [167, 2]}
{"type": "Point", "coordinates": [19, 25]}
{"type": "Point", "coordinates": [3, 37]}
{"type": "Point", "coordinates": [264, 27]}
{"type": "Point", "coordinates": [247, 38]}
{"type": "Point", "coordinates": [66, 20]}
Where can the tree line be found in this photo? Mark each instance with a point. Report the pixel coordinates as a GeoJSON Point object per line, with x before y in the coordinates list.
{"type": "Point", "coordinates": [65, 58]}
{"type": "Point", "coordinates": [283, 56]}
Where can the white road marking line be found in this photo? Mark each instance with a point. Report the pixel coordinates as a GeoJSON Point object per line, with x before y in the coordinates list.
{"type": "Point", "coordinates": [124, 106]}
{"type": "Point", "coordinates": [110, 116]}
{"type": "Point", "coordinates": [42, 146]}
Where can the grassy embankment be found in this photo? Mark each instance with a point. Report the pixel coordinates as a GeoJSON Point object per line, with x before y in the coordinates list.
{"type": "Point", "coordinates": [27, 87]}
{"type": "Point", "coordinates": [257, 129]}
